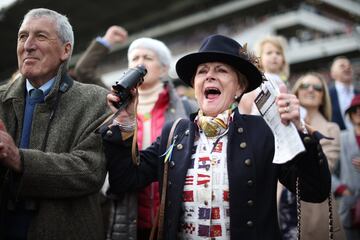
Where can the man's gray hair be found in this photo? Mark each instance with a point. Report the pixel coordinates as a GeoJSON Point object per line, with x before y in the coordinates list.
{"type": "Point", "coordinates": [63, 26]}
{"type": "Point", "coordinates": [158, 47]}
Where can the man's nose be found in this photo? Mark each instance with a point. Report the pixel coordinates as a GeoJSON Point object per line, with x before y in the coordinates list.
{"type": "Point", "coordinates": [30, 43]}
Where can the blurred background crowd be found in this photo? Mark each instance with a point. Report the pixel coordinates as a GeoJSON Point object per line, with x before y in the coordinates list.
{"type": "Point", "coordinates": [316, 55]}
{"type": "Point", "coordinates": [316, 30]}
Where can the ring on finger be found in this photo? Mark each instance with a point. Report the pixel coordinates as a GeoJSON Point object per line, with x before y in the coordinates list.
{"type": "Point", "coordinates": [287, 103]}
{"type": "Point", "coordinates": [287, 109]}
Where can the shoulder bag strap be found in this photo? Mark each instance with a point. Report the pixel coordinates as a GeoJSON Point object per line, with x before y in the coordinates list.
{"type": "Point", "coordinates": [159, 221]}
{"type": "Point", "coordinates": [298, 211]}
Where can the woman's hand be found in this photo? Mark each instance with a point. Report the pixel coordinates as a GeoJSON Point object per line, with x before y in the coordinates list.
{"type": "Point", "coordinates": [128, 113]}
{"type": "Point", "coordinates": [289, 108]}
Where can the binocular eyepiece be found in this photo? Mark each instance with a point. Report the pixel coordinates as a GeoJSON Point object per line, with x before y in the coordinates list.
{"type": "Point", "coordinates": [131, 78]}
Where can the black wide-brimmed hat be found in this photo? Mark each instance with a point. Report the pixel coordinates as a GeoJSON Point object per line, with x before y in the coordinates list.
{"type": "Point", "coordinates": [218, 48]}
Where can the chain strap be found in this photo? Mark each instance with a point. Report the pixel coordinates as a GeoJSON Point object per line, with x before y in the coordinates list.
{"type": "Point", "coordinates": [331, 219]}
{"type": "Point", "coordinates": [298, 212]}
{"type": "Point", "coordinates": [298, 209]}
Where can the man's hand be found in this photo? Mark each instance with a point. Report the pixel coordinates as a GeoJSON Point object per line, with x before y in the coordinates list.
{"type": "Point", "coordinates": [116, 35]}
{"type": "Point", "coordinates": [9, 153]}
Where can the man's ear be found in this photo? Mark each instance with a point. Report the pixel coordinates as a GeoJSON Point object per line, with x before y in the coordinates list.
{"type": "Point", "coordinates": [66, 51]}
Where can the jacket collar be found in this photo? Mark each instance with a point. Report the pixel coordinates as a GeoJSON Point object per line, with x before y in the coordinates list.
{"type": "Point", "coordinates": [16, 88]}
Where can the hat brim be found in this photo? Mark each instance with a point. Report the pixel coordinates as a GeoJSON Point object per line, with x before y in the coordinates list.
{"type": "Point", "coordinates": [351, 109]}
{"type": "Point", "coordinates": [187, 65]}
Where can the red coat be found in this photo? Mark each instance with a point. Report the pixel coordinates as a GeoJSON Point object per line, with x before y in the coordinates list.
{"type": "Point", "coordinates": [149, 198]}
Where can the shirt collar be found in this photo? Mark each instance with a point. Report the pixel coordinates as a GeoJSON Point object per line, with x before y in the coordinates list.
{"type": "Point", "coordinates": [343, 87]}
{"type": "Point", "coordinates": [45, 87]}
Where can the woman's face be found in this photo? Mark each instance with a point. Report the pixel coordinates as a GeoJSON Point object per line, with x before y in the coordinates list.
{"type": "Point", "coordinates": [216, 84]}
{"type": "Point", "coordinates": [272, 59]}
{"type": "Point", "coordinates": [311, 92]}
{"type": "Point", "coordinates": [148, 58]}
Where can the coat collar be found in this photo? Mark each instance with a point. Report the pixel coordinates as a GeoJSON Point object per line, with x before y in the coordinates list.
{"type": "Point", "coordinates": [16, 88]}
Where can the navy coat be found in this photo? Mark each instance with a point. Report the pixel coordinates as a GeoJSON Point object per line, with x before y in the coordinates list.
{"type": "Point", "coordinates": [337, 117]}
{"type": "Point", "coordinates": [252, 175]}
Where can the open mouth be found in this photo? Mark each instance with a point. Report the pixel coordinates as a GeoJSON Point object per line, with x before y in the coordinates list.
{"type": "Point", "coordinates": [212, 92]}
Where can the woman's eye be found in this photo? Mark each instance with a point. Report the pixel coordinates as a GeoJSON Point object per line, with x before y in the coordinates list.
{"type": "Point", "coordinates": [134, 59]}
{"type": "Point", "coordinates": [200, 71]}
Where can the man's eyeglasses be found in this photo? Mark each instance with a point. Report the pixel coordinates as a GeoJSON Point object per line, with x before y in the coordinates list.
{"type": "Point", "coordinates": [316, 87]}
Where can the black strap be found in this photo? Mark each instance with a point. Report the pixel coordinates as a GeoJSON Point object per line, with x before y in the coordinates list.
{"type": "Point", "coordinates": [159, 221]}
{"type": "Point", "coordinates": [65, 85]}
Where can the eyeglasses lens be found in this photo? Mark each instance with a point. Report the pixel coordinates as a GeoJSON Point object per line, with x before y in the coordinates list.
{"type": "Point", "coordinates": [316, 87]}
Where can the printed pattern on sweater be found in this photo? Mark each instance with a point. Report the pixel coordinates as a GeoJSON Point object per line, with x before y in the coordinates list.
{"type": "Point", "coordinates": [206, 192]}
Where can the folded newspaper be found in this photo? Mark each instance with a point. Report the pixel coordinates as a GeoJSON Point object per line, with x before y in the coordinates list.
{"type": "Point", "coordinates": [287, 140]}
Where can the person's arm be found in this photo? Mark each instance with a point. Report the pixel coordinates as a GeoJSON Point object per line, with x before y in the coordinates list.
{"type": "Point", "coordinates": [118, 140]}
{"type": "Point", "coordinates": [310, 167]}
{"type": "Point", "coordinates": [124, 175]}
{"type": "Point", "coordinates": [312, 170]}
{"type": "Point", "coordinates": [73, 163]}
{"type": "Point", "coordinates": [331, 147]}
{"type": "Point", "coordinates": [85, 68]}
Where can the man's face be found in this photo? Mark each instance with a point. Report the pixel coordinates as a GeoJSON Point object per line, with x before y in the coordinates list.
{"type": "Point", "coordinates": [341, 70]}
{"type": "Point", "coordinates": [39, 50]}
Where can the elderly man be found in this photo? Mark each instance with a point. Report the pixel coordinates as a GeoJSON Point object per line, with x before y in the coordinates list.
{"type": "Point", "coordinates": [51, 162]}
{"type": "Point", "coordinates": [342, 91]}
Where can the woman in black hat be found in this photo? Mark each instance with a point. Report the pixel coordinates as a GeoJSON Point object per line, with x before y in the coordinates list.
{"type": "Point", "coordinates": [221, 182]}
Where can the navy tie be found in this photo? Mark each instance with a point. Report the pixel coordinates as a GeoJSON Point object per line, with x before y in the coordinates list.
{"type": "Point", "coordinates": [35, 96]}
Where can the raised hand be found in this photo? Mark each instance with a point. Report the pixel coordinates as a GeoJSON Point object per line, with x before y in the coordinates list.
{"type": "Point", "coordinates": [116, 35]}
{"type": "Point", "coordinates": [289, 108]}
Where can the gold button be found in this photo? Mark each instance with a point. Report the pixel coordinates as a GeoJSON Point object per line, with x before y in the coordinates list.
{"type": "Point", "coordinates": [248, 162]}
{"type": "Point", "coordinates": [109, 133]}
{"type": "Point", "coordinates": [243, 145]}
{"type": "Point", "coordinates": [179, 146]}
{"type": "Point", "coordinates": [240, 130]}
{"type": "Point", "coordinates": [250, 203]}
{"type": "Point", "coordinates": [250, 183]}
{"type": "Point", "coordinates": [307, 139]}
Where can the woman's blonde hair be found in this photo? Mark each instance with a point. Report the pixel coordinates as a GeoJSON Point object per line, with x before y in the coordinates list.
{"type": "Point", "coordinates": [280, 43]}
{"type": "Point", "coordinates": [325, 108]}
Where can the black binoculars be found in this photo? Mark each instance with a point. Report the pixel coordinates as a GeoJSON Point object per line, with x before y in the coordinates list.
{"type": "Point", "coordinates": [131, 78]}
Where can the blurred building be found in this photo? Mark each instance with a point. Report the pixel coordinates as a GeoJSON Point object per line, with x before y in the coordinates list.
{"type": "Point", "coordinates": [316, 30]}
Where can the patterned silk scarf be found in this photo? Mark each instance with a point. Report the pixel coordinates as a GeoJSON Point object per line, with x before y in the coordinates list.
{"type": "Point", "coordinates": [215, 126]}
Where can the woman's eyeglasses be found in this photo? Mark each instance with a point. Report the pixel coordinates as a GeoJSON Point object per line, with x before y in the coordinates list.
{"type": "Point", "coordinates": [316, 87]}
